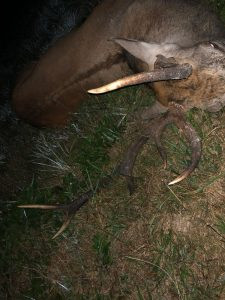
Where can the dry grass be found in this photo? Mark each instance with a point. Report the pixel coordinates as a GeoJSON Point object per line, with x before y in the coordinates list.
{"type": "Point", "coordinates": [160, 243]}
{"type": "Point", "coordinates": [164, 243]}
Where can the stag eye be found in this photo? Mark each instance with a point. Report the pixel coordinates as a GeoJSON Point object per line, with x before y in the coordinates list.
{"type": "Point", "coordinates": [218, 46]}
{"type": "Point", "coordinates": [214, 45]}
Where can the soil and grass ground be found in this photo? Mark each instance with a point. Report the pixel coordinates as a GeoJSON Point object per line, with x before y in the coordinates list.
{"type": "Point", "coordinates": [162, 242]}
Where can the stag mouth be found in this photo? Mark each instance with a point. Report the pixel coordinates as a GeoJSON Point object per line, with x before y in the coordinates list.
{"type": "Point", "coordinates": [165, 69]}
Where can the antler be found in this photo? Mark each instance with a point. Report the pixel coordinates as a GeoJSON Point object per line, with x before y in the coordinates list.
{"type": "Point", "coordinates": [174, 72]}
{"type": "Point", "coordinates": [71, 208]}
{"type": "Point", "coordinates": [155, 130]}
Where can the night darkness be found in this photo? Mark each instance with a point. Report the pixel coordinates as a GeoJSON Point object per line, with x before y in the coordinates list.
{"type": "Point", "coordinates": [27, 28]}
{"type": "Point", "coordinates": [17, 18]}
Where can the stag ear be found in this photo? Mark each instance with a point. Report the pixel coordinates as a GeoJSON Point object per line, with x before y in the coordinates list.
{"type": "Point", "coordinates": [147, 52]}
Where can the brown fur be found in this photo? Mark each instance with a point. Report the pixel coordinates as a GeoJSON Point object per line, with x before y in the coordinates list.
{"type": "Point", "coordinates": [51, 89]}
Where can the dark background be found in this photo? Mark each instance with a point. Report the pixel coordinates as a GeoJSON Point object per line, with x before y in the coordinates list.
{"type": "Point", "coordinates": [16, 17]}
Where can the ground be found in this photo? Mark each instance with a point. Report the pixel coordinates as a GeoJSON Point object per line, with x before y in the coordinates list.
{"type": "Point", "coordinates": [161, 242]}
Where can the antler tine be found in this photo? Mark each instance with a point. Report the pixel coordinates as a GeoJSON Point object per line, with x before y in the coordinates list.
{"type": "Point", "coordinates": [154, 130]}
{"type": "Point", "coordinates": [53, 207]}
{"type": "Point", "coordinates": [76, 204]}
{"type": "Point", "coordinates": [126, 166]}
{"type": "Point", "coordinates": [196, 147]}
{"type": "Point", "coordinates": [172, 73]}
{"type": "Point", "coordinates": [175, 115]}
{"type": "Point", "coordinates": [39, 206]}
{"type": "Point", "coordinates": [191, 136]}
{"type": "Point", "coordinates": [70, 209]}
{"type": "Point", "coordinates": [64, 226]}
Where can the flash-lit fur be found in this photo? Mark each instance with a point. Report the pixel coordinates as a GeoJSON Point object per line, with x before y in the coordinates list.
{"type": "Point", "coordinates": [205, 88]}
{"type": "Point", "coordinates": [201, 89]}
{"type": "Point", "coordinates": [51, 89]}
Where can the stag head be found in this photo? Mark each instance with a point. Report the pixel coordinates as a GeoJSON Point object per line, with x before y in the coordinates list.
{"type": "Point", "coordinates": [205, 88]}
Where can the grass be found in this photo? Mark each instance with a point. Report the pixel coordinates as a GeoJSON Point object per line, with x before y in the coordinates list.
{"type": "Point", "coordinates": [219, 7]}
{"type": "Point", "coordinates": [160, 243]}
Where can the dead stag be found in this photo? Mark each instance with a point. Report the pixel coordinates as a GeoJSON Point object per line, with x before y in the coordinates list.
{"type": "Point", "coordinates": [165, 69]}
